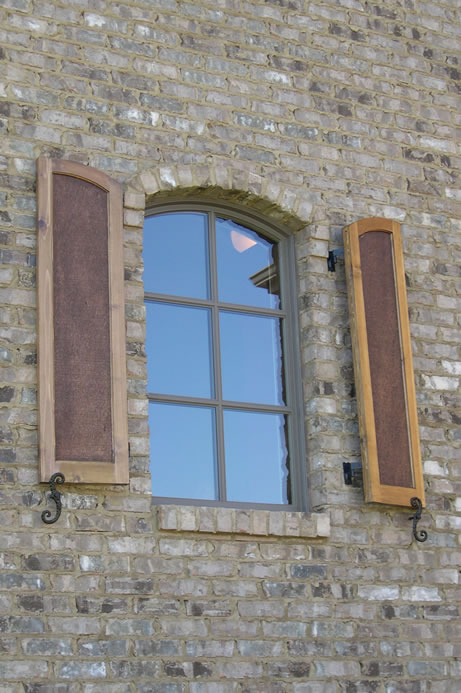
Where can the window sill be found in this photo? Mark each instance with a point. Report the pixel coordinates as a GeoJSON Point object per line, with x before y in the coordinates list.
{"type": "Point", "coordinates": [268, 523]}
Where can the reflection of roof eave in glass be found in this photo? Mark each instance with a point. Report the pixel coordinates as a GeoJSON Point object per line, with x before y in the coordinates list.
{"type": "Point", "coordinates": [267, 278]}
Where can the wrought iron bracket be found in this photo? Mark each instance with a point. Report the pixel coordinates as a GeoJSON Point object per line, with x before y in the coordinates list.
{"type": "Point", "coordinates": [332, 259]}
{"type": "Point", "coordinates": [57, 478]}
{"type": "Point", "coordinates": [422, 534]}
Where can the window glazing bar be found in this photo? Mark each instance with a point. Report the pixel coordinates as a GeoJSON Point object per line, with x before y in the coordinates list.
{"type": "Point", "coordinates": [231, 307]}
{"type": "Point", "coordinates": [226, 404]}
{"type": "Point", "coordinates": [179, 300]}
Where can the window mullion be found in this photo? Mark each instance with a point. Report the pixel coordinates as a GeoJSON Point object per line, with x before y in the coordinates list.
{"type": "Point", "coordinates": [217, 358]}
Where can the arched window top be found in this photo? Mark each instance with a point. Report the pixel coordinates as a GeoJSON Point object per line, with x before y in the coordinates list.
{"type": "Point", "coordinates": [223, 401]}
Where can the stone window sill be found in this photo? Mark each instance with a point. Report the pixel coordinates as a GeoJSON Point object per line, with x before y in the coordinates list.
{"type": "Point", "coordinates": [268, 523]}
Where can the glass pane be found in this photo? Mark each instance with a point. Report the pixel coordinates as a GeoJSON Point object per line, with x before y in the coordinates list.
{"type": "Point", "coordinates": [251, 358]}
{"type": "Point", "coordinates": [178, 345]}
{"type": "Point", "coordinates": [176, 254]}
{"type": "Point", "coordinates": [182, 451]}
{"type": "Point", "coordinates": [248, 271]}
{"type": "Point", "coordinates": [256, 457]}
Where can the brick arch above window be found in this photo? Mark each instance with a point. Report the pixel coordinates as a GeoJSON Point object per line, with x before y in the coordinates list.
{"type": "Point", "coordinates": [290, 206]}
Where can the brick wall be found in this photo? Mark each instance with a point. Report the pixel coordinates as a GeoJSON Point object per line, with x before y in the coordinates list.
{"type": "Point", "coordinates": [316, 114]}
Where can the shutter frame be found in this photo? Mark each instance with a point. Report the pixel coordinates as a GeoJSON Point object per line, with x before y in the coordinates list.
{"type": "Point", "coordinates": [373, 462]}
{"type": "Point", "coordinates": [113, 470]}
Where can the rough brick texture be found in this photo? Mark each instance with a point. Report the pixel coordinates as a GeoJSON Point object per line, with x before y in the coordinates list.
{"type": "Point", "coordinates": [314, 114]}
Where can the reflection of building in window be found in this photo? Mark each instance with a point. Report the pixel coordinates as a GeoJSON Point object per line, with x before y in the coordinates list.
{"type": "Point", "coordinates": [268, 279]}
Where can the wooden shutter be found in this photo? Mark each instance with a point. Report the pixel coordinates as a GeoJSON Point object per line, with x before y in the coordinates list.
{"type": "Point", "coordinates": [383, 363]}
{"type": "Point", "coordinates": [81, 329]}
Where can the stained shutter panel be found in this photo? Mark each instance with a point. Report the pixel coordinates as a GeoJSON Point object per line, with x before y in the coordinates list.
{"type": "Point", "coordinates": [383, 363]}
{"type": "Point", "coordinates": [81, 341]}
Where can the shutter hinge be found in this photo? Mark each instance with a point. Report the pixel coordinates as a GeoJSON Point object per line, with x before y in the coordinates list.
{"type": "Point", "coordinates": [332, 259]}
{"type": "Point", "coordinates": [353, 474]}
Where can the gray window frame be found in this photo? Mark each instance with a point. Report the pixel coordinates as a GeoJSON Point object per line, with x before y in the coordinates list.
{"type": "Point", "coordinates": [290, 340]}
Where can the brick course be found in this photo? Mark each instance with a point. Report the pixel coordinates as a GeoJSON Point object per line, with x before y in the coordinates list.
{"type": "Point", "coordinates": [313, 114]}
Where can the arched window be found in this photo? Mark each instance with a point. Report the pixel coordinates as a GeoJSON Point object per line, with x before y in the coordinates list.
{"type": "Point", "coordinates": [223, 377]}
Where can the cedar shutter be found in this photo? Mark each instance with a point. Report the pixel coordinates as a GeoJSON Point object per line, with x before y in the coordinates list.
{"type": "Point", "coordinates": [383, 365]}
{"type": "Point", "coordinates": [81, 326]}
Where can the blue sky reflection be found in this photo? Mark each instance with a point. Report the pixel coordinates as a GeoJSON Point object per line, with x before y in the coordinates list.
{"type": "Point", "coordinates": [176, 254]}
{"type": "Point", "coordinates": [183, 451]}
{"type": "Point", "coordinates": [251, 358]}
{"type": "Point", "coordinates": [178, 345]}
{"type": "Point", "coordinates": [256, 457]}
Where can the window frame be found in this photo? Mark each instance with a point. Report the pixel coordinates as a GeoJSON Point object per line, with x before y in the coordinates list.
{"type": "Point", "coordinates": [290, 340]}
